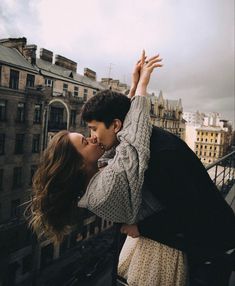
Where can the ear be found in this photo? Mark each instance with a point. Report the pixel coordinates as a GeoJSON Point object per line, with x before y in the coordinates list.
{"type": "Point", "coordinates": [117, 125]}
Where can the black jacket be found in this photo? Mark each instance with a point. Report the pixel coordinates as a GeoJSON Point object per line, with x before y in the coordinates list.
{"type": "Point", "coordinates": [196, 218]}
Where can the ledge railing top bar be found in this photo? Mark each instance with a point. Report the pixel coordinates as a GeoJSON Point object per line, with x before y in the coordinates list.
{"type": "Point", "coordinates": [220, 160]}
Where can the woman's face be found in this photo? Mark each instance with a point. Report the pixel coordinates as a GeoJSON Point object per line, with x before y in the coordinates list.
{"type": "Point", "coordinates": [90, 150]}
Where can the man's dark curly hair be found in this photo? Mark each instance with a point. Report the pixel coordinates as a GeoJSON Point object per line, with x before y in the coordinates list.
{"type": "Point", "coordinates": [106, 106]}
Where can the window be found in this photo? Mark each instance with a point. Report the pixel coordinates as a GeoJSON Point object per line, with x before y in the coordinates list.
{"type": "Point", "coordinates": [56, 115]}
{"type": "Point", "coordinates": [75, 93]}
{"type": "Point", "coordinates": [202, 133]}
{"type": "Point", "coordinates": [65, 89]}
{"type": "Point", "coordinates": [210, 147]}
{"type": "Point", "coordinates": [14, 79]}
{"type": "Point", "coordinates": [3, 109]}
{"type": "Point", "coordinates": [196, 146]}
{"type": "Point", "coordinates": [17, 177]}
{"type": "Point", "coordinates": [215, 148]}
{"type": "Point", "coordinates": [83, 123]}
{"type": "Point", "coordinates": [201, 146]}
{"type": "Point", "coordinates": [32, 172]}
{"type": "Point", "coordinates": [210, 154]}
{"type": "Point", "coordinates": [15, 211]}
{"type": "Point", "coordinates": [73, 117]}
{"type": "Point", "coordinates": [205, 147]}
{"type": "Point", "coordinates": [48, 82]}
{"type": "Point", "coordinates": [204, 153]}
{"type": "Point", "coordinates": [37, 113]}
{"type": "Point", "coordinates": [94, 92]}
{"type": "Point", "coordinates": [2, 143]}
{"type": "Point", "coordinates": [36, 143]}
{"type": "Point", "coordinates": [30, 80]}
{"type": "Point", "coordinates": [85, 92]}
{"type": "Point", "coordinates": [20, 112]}
{"type": "Point", "coordinates": [211, 134]}
{"type": "Point", "coordinates": [19, 143]}
{"type": "Point", "coordinates": [1, 179]}
{"type": "Point", "coordinates": [216, 134]}
{"type": "Point", "coordinates": [206, 139]}
{"type": "Point", "coordinates": [196, 152]}
{"type": "Point", "coordinates": [214, 154]}
{"type": "Point", "coordinates": [215, 140]}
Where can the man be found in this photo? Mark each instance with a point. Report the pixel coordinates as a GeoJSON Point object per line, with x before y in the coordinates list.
{"type": "Point", "coordinates": [195, 217]}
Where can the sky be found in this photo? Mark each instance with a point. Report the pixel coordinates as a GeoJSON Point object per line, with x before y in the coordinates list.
{"type": "Point", "coordinates": [195, 38]}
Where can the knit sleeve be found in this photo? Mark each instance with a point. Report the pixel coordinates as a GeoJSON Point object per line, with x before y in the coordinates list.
{"type": "Point", "coordinates": [115, 192]}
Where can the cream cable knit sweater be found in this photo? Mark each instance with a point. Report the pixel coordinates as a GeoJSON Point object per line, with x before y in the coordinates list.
{"type": "Point", "coordinates": [114, 193]}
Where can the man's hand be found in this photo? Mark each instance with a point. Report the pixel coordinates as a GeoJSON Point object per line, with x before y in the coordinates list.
{"type": "Point", "coordinates": [146, 70]}
{"type": "Point", "coordinates": [136, 74]}
{"type": "Point", "coordinates": [130, 229]}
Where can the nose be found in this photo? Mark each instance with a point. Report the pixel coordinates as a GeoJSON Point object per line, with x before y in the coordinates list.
{"type": "Point", "coordinates": [92, 133]}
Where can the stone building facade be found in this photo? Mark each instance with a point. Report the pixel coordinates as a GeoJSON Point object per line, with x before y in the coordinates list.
{"type": "Point", "coordinates": [38, 97]}
{"type": "Point", "coordinates": [115, 85]}
{"type": "Point", "coordinates": [167, 114]}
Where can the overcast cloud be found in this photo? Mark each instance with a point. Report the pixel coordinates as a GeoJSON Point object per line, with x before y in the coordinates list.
{"type": "Point", "coordinates": [194, 37]}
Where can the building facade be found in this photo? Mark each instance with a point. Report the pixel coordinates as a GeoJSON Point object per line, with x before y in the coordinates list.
{"type": "Point", "coordinates": [213, 139]}
{"type": "Point", "coordinates": [38, 97]}
{"type": "Point", "coordinates": [167, 114]}
{"type": "Point", "coordinates": [115, 85]}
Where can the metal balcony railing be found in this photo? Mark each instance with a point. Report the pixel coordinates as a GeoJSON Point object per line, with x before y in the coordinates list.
{"type": "Point", "coordinates": [222, 172]}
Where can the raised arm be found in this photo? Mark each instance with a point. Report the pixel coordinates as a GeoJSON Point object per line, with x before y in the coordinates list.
{"type": "Point", "coordinates": [115, 192]}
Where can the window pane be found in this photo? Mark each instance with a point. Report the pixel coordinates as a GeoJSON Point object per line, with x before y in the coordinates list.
{"type": "Point", "coordinates": [19, 143]}
{"type": "Point", "coordinates": [14, 79]}
{"type": "Point", "coordinates": [2, 143]}
{"type": "Point", "coordinates": [37, 113]}
{"type": "Point", "coordinates": [36, 143]}
{"type": "Point", "coordinates": [20, 112]}
{"type": "Point", "coordinates": [30, 80]}
{"type": "Point", "coordinates": [3, 106]}
{"type": "Point", "coordinates": [17, 177]}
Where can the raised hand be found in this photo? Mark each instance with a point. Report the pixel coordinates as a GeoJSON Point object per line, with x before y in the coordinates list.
{"type": "Point", "coordinates": [146, 70]}
{"type": "Point", "coordinates": [136, 74]}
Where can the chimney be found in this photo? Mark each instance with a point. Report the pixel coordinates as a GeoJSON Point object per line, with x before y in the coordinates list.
{"type": "Point", "coordinates": [18, 43]}
{"type": "Point", "coordinates": [29, 53]}
{"type": "Point", "coordinates": [65, 63]}
{"type": "Point", "coordinates": [46, 55]}
{"type": "Point", "coordinates": [90, 73]}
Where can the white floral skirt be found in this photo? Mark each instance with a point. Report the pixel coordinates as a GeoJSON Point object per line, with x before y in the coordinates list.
{"type": "Point", "coordinates": [144, 262]}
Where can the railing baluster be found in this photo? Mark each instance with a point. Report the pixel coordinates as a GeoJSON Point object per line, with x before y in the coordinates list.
{"type": "Point", "coordinates": [227, 163]}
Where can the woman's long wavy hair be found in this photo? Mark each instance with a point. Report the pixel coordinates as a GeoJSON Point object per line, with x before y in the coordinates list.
{"type": "Point", "coordinates": [57, 184]}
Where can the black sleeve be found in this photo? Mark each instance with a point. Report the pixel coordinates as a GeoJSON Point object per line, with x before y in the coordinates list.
{"type": "Point", "coordinates": [173, 186]}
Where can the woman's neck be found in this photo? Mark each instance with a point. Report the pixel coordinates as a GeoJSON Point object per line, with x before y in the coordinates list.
{"type": "Point", "coordinates": [91, 170]}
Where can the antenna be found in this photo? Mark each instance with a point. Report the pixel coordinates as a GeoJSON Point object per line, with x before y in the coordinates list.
{"type": "Point", "coordinates": [110, 69]}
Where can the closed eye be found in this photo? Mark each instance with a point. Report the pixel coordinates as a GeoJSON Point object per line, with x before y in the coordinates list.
{"type": "Point", "coordinates": [92, 128]}
{"type": "Point", "coordinates": [84, 141]}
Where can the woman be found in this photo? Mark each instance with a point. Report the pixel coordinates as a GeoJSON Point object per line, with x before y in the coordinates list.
{"type": "Point", "coordinates": [68, 171]}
